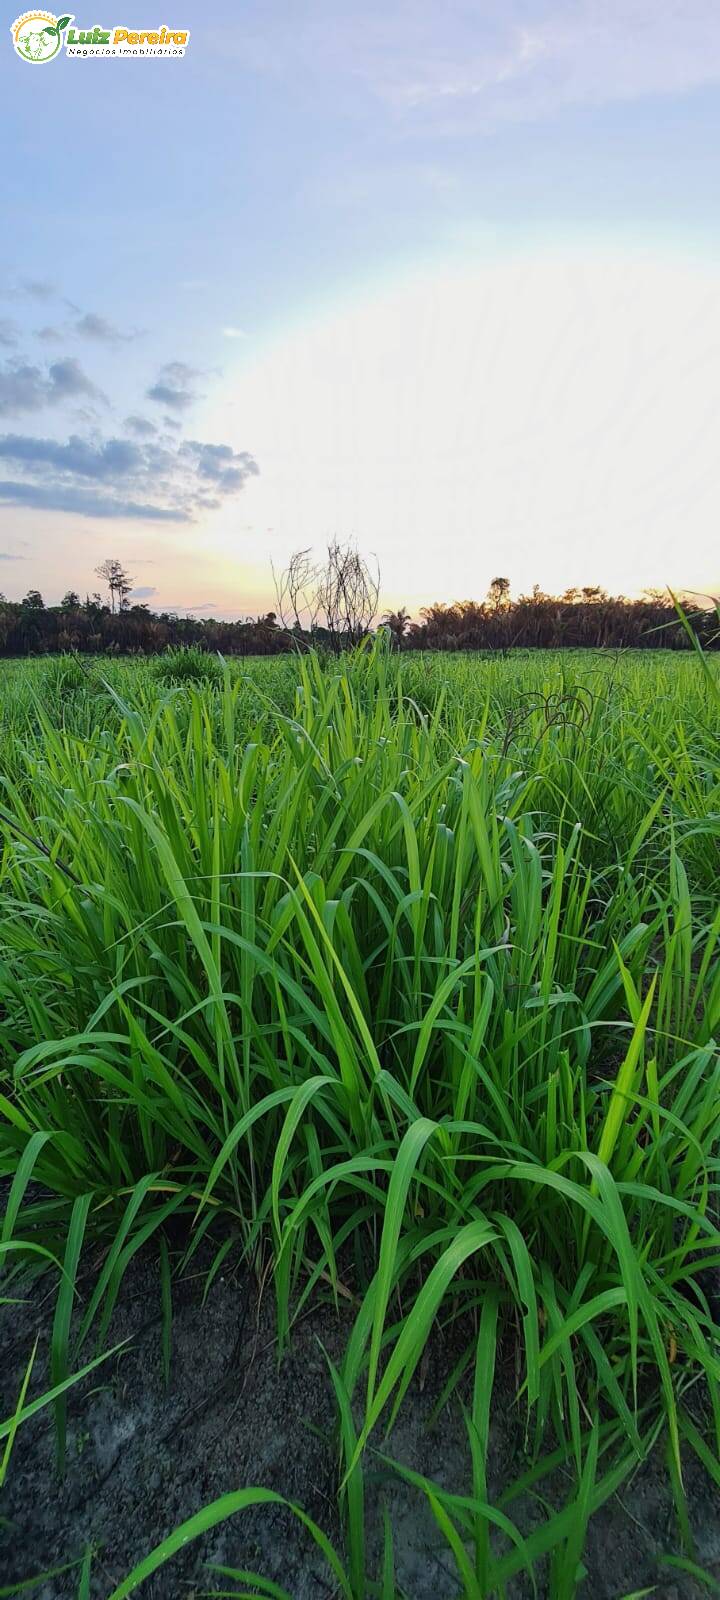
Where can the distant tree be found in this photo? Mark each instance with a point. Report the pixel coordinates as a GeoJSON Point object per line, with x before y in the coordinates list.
{"type": "Point", "coordinates": [397, 622]}
{"type": "Point", "coordinates": [118, 581]}
{"type": "Point", "coordinates": [70, 601]}
{"type": "Point", "coordinates": [33, 601]}
{"type": "Point", "coordinates": [499, 593]}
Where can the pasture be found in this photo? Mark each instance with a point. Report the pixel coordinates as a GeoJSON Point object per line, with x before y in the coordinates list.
{"type": "Point", "coordinates": [359, 1032]}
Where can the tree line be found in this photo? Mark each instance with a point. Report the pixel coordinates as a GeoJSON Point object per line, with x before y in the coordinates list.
{"type": "Point", "coordinates": [587, 618]}
{"type": "Point", "coordinates": [333, 603]}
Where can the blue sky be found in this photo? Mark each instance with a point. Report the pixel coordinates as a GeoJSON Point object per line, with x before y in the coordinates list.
{"type": "Point", "coordinates": [438, 277]}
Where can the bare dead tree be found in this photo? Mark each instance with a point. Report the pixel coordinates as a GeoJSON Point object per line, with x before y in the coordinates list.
{"type": "Point", "coordinates": [296, 594]}
{"type": "Point", "coordinates": [337, 597]}
{"type": "Point", "coordinates": [348, 592]}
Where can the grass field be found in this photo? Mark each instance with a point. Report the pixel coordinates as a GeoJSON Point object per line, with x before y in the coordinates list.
{"type": "Point", "coordinates": [399, 979]}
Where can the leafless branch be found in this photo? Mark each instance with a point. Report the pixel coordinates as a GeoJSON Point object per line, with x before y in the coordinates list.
{"type": "Point", "coordinates": [338, 597]}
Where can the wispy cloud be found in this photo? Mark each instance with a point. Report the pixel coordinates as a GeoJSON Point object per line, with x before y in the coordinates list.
{"type": "Point", "coordinates": [506, 59]}
{"type": "Point", "coordinates": [226, 469]}
{"type": "Point", "coordinates": [170, 484]}
{"type": "Point", "coordinates": [28, 289]}
{"type": "Point", "coordinates": [37, 288]}
{"type": "Point", "coordinates": [570, 52]}
{"type": "Point", "coordinates": [234, 333]}
{"type": "Point", "coordinates": [84, 503]}
{"type": "Point", "coordinates": [141, 426]}
{"type": "Point", "coordinates": [24, 387]}
{"type": "Point", "coordinates": [174, 386]}
{"type": "Point", "coordinates": [85, 324]}
{"type": "Point", "coordinates": [79, 457]}
{"type": "Point", "coordinates": [92, 326]}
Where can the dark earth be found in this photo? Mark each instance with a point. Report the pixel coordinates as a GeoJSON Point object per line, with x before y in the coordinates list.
{"type": "Point", "coordinates": [143, 1456]}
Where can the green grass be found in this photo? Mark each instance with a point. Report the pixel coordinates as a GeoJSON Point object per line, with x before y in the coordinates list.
{"type": "Point", "coordinates": [403, 977]}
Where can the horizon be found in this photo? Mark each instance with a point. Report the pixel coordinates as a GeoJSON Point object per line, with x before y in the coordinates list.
{"type": "Point", "coordinates": [445, 287]}
{"type": "Point", "coordinates": [574, 595]}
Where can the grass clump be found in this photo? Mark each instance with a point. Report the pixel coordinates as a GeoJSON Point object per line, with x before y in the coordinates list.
{"type": "Point", "coordinates": [67, 675]}
{"type": "Point", "coordinates": [416, 986]}
{"type": "Point", "coordinates": [187, 664]}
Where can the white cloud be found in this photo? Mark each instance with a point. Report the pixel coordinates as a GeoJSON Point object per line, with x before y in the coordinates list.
{"type": "Point", "coordinates": [234, 333]}
{"type": "Point", "coordinates": [493, 60]}
{"type": "Point", "coordinates": [572, 52]}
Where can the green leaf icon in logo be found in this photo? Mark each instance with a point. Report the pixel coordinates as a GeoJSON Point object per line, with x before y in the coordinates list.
{"type": "Point", "coordinates": [56, 28]}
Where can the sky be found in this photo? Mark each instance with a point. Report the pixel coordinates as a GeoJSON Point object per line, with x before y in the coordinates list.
{"type": "Point", "coordinates": [438, 277]}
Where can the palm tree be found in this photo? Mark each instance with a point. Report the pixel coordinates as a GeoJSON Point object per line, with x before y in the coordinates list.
{"type": "Point", "coordinates": [397, 622]}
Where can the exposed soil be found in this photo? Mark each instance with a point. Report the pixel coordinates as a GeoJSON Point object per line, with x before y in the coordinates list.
{"type": "Point", "coordinates": [143, 1456]}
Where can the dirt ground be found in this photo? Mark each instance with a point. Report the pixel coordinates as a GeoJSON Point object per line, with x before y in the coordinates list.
{"type": "Point", "coordinates": [143, 1456]}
